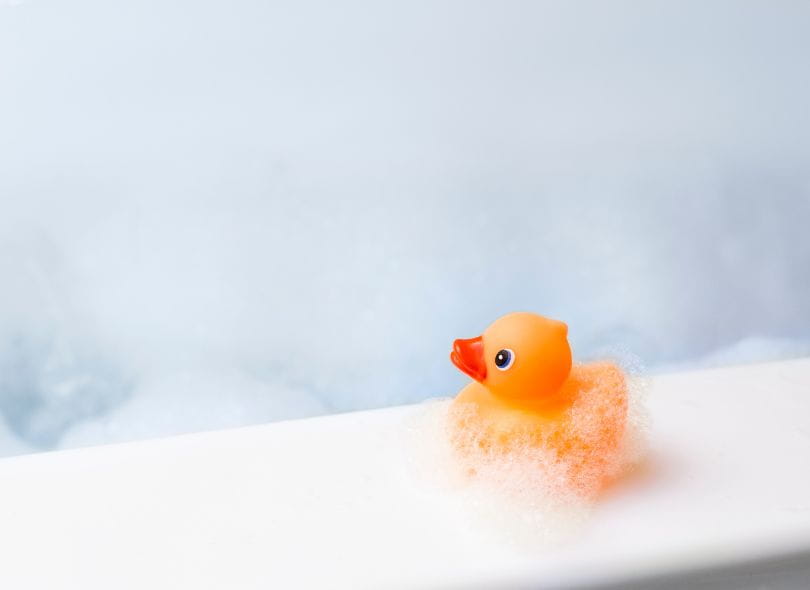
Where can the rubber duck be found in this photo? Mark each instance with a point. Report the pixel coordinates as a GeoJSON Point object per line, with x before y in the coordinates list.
{"type": "Point", "coordinates": [527, 393]}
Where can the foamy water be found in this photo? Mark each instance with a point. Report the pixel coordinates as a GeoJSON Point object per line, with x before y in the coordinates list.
{"type": "Point", "coordinates": [524, 495]}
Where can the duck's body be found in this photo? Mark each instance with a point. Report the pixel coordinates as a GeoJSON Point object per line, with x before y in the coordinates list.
{"type": "Point", "coordinates": [578, 421]}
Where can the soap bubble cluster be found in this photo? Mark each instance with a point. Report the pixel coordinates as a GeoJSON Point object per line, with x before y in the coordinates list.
{"type": "Point", "coordinates": [534, 484]}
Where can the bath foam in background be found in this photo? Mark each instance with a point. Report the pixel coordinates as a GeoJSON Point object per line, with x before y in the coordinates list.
{"type": "Point", "coordinates": [304, 208]}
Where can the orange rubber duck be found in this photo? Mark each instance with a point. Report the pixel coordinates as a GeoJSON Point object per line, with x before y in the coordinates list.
{"type": "Point", "coordinates": [526, 393]}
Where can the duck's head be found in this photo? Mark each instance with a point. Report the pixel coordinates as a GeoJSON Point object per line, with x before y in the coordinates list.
{"type": "Point", "coordinates": [522, 358]}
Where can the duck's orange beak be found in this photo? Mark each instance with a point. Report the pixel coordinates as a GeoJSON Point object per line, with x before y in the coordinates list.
{"type": "Point", "coordinates": [468, 356]}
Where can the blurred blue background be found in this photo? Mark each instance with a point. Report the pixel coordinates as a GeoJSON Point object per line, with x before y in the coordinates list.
{"type": "Point", "coordinates": [223, 213]}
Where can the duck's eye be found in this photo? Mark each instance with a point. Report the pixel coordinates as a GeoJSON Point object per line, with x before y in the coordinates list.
{"type": "Point", "coordinates": [504, 359]}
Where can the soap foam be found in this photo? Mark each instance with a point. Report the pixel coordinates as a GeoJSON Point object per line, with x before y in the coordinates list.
{"type": "Point", "coordinates": [529, 493]}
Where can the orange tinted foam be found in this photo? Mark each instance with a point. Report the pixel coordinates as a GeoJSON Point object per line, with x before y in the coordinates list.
{"type": "Point", "coordinates": [581, 444]}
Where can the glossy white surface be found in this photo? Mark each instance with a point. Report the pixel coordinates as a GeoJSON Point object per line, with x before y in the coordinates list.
{"type": "Point", "coordinates": [329, 502]}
